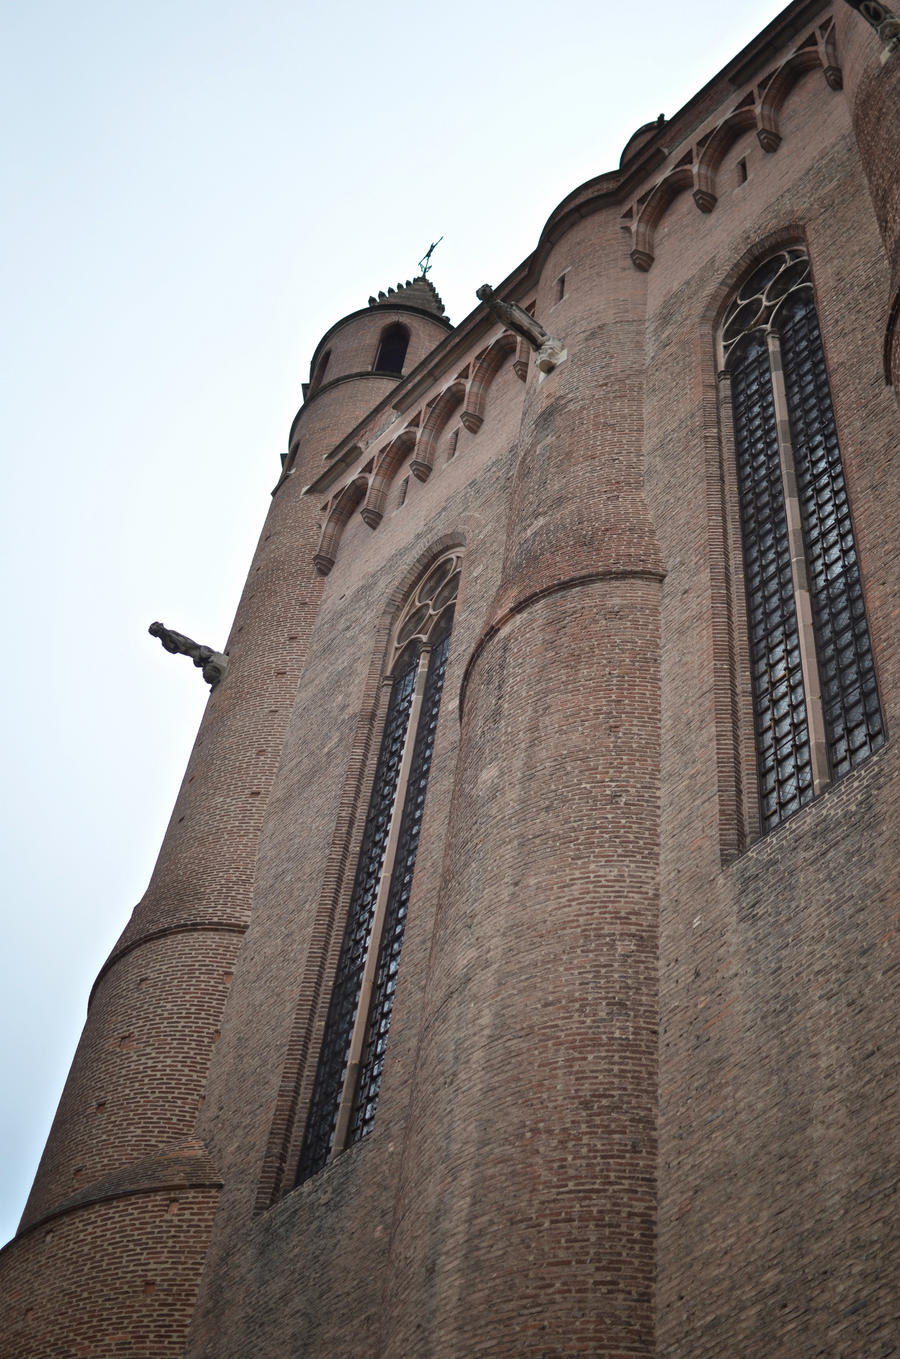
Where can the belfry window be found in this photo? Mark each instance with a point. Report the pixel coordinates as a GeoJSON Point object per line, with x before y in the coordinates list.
{"type": "Point", "coordinates": [319, 374]}
{"type": "Point", "coordinates": [392, 349]}
{"type": "Point", "coordinates": [348, 1076]}
{"type": "Point", "coordinates": [815, 699]}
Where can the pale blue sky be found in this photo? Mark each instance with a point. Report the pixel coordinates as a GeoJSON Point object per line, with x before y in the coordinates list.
{"type": "Point", "coordinates": [195, 192]}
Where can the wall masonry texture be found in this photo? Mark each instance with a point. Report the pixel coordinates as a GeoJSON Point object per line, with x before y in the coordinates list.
{"type": "Point", "coordinates": [144, 1251]}
{"type": "Point", "coordinates": [639, 1087]}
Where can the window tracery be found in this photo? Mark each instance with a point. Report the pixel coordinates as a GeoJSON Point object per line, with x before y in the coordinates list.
{"type": "Point", "coordinates": [351, 1060]}
{"type": "Point", "coordinates": [815, 699]}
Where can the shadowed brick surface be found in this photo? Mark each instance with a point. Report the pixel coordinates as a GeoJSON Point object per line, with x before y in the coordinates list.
{"type": "Point", "coordinates": [640, 1078]}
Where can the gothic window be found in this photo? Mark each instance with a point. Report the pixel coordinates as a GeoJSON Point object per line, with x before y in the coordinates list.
{"type": "Point", "coordinates": [815, 699]}
{"type": "Point", "coordinates": [392, 349]}
{"type": "Point", "coordinates": [348, 1076]}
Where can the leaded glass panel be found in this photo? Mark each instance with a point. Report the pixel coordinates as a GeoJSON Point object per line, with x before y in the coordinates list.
{"type": "Point", "coordinates": [384, 874]}
{"type": "Point", "coordinates": [332, 1067]}
{"type": "Point", "coordinates": [776, 303]}
{"type": "Point", "coordinates": [372, 1062]}
{"type": "Point", "coordinates": [843, 650]}
{"type": "Point", "coordinates": [779, 708]}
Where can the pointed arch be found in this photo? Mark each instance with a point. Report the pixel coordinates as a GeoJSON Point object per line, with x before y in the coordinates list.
{"type": "Point", "coordinates": [437, 417]}
{"type": "Point", "coordinates": [386, 466]}
{"type": "Point", "coordinates": [777, 90]}
{"type": "Point", "coordinates": [344, 504]}
{"type": "Point", "coordinates": [653, 210]}
{"type": "Point", "coordinates": [347, 1081]}
{"type": "Point", "coordinates": [486, 369]}
{"type": "Point", "coordinates": [725, 135]}
{"type": "Point", "coordinates": [815, 706]}
{"type": "Point", "coordinates": [392, 346]}
{"type": "Point", "coordinates": [295, 1088]}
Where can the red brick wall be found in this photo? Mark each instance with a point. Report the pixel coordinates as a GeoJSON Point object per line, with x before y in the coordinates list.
{"type": "Point", "coordinates": [525, 1215]}
{"type": "Point", "coordinates": [773, 1235]}
{"type": "Point", "coordinates": [135, 1298]}
{"type": "Point", "coordinates": [333, 409]}
{"type": "Point", "coordinates": [637, 1093]}
{"type": "Point", "coordinates": [138, 1075]}
{"type": "Point", "coordinates": [255, 1063]}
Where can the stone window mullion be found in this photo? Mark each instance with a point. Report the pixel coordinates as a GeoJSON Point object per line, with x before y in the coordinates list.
{"type": "Point", "coordinates": [352, 1050]}
{"type": "Point", "coordinates": [818, 745]}
{"type": "Point", "coordinates": [816, 711]}
{"type": "Point", "coordinates": [368, 978]}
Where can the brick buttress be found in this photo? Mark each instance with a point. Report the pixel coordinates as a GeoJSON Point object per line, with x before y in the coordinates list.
{"type": "Point", "coordinates": [872, 86]}
{"type": "Point", "coordinates": [525, 1215]}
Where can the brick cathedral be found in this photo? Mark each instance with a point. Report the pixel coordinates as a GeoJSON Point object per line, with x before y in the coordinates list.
{"type": "Point", "coordinates": [515, 976]}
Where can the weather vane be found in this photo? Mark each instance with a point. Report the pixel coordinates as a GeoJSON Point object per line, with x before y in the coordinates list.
{"type": "Point", "coordinates": [425, 261]}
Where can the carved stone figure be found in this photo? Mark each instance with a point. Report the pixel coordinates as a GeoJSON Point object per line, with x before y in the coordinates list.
{"type": "Point", "coordinates": [212, 663]}
{"type": "Point", "coordinates": [550, 351]}
{"type": "Point", "coordinates": [883, 20]}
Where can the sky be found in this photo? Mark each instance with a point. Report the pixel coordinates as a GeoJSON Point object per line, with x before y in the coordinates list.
{"type": "Point", "coordinates": [195, 192]}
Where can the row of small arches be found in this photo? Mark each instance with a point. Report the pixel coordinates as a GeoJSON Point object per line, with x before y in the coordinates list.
{"type": "Point", "coordinates": [368, 492]}
{"type": "Point", "coordinates": [760, 111]}
{"type": "Point", "coordinates": [390, 355]}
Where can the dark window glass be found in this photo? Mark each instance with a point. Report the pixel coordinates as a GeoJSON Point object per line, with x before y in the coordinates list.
{"type": "Point", "coordinates": [777, 300]}
{"type": "Point", "coordinates": [392, 350]}
{"type": "Point", "coordinates": [332, 1066]}
{"type": "Point", "coordinates": [843, 650]}
{"type": "Point", "coordinates": [388, 847]}
{"type": "Point", "coordinates": [372, 1060]}
{"type": "Point", "coordinates": [779, 709]}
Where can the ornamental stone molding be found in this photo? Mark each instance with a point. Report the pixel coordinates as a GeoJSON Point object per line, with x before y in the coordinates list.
{"type": "Point", "coordinates": [698, 168]}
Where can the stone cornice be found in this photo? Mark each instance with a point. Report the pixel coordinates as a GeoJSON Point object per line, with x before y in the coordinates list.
{"type": "Point", "coordinates": [609, 190]}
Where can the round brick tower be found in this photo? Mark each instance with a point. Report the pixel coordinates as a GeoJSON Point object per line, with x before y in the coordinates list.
{"type": "Point", "coordinates": [872, 85]}
{"type": "Point", "coordinates": [531, 1141]}
{"type": "Point", "coordinates": [115, 1230]}
{"type": "Point", "coordinates": [360, 360]}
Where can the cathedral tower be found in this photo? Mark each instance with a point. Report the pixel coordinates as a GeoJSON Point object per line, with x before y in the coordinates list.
{"type": "Point", "coordinates": [515, 978]}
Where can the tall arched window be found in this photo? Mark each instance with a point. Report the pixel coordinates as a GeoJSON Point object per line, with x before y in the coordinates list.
{"type": "Point", "coordinates": [815, 699]}
{"type": "Point", "coordinates": [392, 349]}
{"type": "Point", "coordinates": [348, 1076]}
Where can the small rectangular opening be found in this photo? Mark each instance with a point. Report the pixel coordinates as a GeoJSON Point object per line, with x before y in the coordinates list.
{"type": "Point", "coordinates": [742, 170]}
{"type": "Point", "coordinates": [560, 287]}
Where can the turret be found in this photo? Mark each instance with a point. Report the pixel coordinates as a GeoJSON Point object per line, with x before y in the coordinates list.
{"type": "Point", "coordinates": [129, 1180]}
{"type": "Point", "coordinates": [359, 361]}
